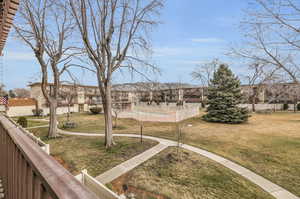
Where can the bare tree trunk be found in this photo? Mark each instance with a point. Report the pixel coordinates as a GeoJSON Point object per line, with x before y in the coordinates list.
{"type": "Point", "coordinates": [107, 106]}
{"type": "Point", "coordinates": [46, 26]}
{"type": "Point", "coordinates": [110, 30]}
{"type": "Point", "coordinates": [253, 102]}
{"type": "Point", "coordinates": [253, 106]}
{"type": "Point", "coordinates": [68, 115]}
{"type": "Point", "coordinates": [53, 119]}
{"type": "Point", "coordinates": [116, 119]}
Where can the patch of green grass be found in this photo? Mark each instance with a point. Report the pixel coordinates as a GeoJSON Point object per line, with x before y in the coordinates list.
{"type": "Point", "coordinates": [189, 175]}
{"type": "Point", "coordinates": [77, 152]}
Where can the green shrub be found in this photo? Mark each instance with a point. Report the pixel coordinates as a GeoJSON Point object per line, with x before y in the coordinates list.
{"type": "Point", "coordinates": [285, 107]}
{"type": "Point", "coordinates": [96, 110]}
{"type": "Point", "coordinates": [37, 112]}
{"type": "Point", "coordinates": [224, 96]}
{"type": "Point", "coordinates": [298, 107]}
{"type": "Point", "coordinates": [69, 125]}
{"type": "Point", "coordinates": [23, 122]}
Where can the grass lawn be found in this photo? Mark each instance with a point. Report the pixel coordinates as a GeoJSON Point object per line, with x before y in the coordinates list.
{"type": "Point", "coordinates": [36, 123]}
{"type": "Point", "coordinates": [31, 123]}
{"type": "Point", "coordinates": [268, 144]}
{"type": "Point", "coordinates": [170, 175]}
{"type": "Point", "coordinates": [77, 153]}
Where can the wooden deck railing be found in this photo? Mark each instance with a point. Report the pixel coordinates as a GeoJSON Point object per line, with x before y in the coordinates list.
{"type": "Point", "coordinates": [27, 172]}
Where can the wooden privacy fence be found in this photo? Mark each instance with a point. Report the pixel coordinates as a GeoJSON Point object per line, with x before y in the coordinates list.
{"type": "Point", "coordinates": [27, 172]}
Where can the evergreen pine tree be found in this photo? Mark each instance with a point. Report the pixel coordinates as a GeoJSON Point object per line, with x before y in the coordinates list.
{"type": "Point", "coordinates": [224, 95]}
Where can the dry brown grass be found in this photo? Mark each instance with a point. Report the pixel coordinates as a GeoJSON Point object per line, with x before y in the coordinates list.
{"type": "Point", "coordinates": [76, 153]}
{"type": "Point", "coordinates": [190, 177]}
{"type": "Point", "coordinates": [267, 144]}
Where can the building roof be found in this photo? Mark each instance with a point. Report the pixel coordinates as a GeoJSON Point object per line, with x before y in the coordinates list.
{"type": "Point", "coordinates": [149, 86]}
{"type": "Point", "coordinates": [8, 9]}
{"type": "Point", "coordinates": [21, 102]}
{"type": "Point", "coordinates": [67, 85]}
{"type": "Point", "coordinates": [133, 87]}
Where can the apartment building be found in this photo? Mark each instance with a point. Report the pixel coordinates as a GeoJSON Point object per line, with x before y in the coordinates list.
{"type": "Point", "coordinates": [82, 97]}
{"type": "Point", "coordinates": [79, 97]}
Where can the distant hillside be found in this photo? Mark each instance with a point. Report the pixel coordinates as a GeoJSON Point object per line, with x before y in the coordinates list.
{"type": "Point", "coordinates": [146, 86]}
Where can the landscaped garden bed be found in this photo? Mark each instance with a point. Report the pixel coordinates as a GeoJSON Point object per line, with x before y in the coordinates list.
{"type": "Point", "coordinates": [78, 152]}
{"type": "Point", "coordinates": [181, 174]}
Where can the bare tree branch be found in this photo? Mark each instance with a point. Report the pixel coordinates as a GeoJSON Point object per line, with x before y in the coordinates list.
{"type": "Point", "coordinates": [113, 31]}
{"type": "Point", "coordinates": [46, 26]}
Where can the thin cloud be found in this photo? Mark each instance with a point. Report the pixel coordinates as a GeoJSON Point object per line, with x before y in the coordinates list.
{"type": "Point", "coordinates": [207, 40]}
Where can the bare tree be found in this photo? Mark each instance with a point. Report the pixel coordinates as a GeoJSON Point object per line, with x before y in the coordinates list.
{"type": "Point", "coordinates": [204, 72]}
{"type": "Point", "coordinates": [46, 27]}
{"type": "Point", "coordinates": [271, 29]}
{"type": "Point", "coordinates": [68, 93]}
{"type": "Point", "coordinates": [257, 77]}
{"type": "Point", "coordinates": [114, 33]}
{"type": "Point", "coordinates": [22, 92]}
{"type": "Point", "coordinates": [286, 93]}
{"type": "Point", "coordinates": [279, 90]}
{"type": "Point", "coordinates": [2, 90]}
{"type": "Point", "coordinates": [12, 94]}
{"type": "Point", "coordinates": [293, 94]}
{"type": "Point", "coordinates": [117, 108]}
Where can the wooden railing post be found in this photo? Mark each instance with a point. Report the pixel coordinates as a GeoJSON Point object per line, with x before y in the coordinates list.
{"type": "Point", "coordinates": [2, 194]}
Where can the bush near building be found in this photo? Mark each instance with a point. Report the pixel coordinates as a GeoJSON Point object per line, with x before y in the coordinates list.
{"type": "Point", "coordinates": [285, 107]}
{"type": "Point", "coordinates": [37, 112]}
{"type": "Point", "coordinates": [96, 110]}
{"type": "Point", "coordinates": [23, 122]}
{"type": "Point", "coordinates": [224, 96]}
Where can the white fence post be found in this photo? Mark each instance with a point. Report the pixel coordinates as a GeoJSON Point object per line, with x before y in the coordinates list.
{"type": "Point", "coordinates": [47, 149]}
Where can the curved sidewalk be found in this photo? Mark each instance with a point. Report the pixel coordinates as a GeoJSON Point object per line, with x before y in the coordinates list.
{"type": "Point", "coordinates": [273, 189]}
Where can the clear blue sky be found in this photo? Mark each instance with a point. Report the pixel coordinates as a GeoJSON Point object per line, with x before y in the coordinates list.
{"type": "Point", "coordinates": [192, 31]}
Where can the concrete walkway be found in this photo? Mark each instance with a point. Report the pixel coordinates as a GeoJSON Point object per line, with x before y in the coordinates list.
{"type": "Point", "coordinates": [273, 189]}
{"type": "Point", "coordinates": [128, 165]}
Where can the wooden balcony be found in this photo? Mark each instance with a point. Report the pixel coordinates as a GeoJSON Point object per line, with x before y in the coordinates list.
{"type": "Point", "coordinates": [27, 172]}
{"type": "Point", "coordinates": [8, 9]}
